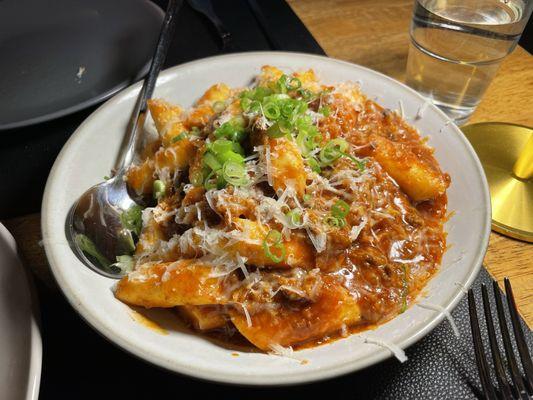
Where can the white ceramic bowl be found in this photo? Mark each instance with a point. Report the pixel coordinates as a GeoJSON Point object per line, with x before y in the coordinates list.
{"type": "Point", "coordinates": [20, 336]}
{"type": "Point", "coordinates": [90, 153]}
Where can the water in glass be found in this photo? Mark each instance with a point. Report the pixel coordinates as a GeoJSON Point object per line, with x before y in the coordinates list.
{"type": "Point", "coordinates": [457, 46]}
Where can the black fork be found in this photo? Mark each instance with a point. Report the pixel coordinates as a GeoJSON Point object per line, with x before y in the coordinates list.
{"type": "Point", "coordinates": [521, 386]}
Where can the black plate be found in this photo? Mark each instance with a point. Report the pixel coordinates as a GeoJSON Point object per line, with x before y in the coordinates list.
{"type": "Point", "coordinates": [59, 56]}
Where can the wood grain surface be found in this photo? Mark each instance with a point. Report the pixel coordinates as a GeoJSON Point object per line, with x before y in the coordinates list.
{"type": "Point", "coordinates": [375, 33]}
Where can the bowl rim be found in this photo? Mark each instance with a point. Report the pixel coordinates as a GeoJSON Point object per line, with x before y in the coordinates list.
{"type": "Point", "coordinates": [251, 380]}
{"type": "Point", "coordinates": [35, 350]}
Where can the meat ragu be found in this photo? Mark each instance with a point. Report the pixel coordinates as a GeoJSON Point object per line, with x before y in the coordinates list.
{"type": "Point", "coordinates": [289, 211]}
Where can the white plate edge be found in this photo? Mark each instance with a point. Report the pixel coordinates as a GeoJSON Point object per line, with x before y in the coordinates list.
{"type": "Point", "coordinates": [36, 352]}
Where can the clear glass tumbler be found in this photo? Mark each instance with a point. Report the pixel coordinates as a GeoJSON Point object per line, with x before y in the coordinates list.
{"type": "Point", "coordinates": [457, 46]}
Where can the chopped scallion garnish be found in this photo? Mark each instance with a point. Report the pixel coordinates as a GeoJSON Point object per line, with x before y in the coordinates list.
{"type": "Point", "coordinates": [293, 83]}
{"type": "Point", "coordinates": [126, 244]}
{"type": "Point", "coordinates": [294, 217]}
{"type": "Point", "coordinates": [219, 106]}
{"type": "Point", "coordinates": [273, 240]}
{"type": "Point", "coordinates": [335, 222]}
{"type": "Point", "coordinates": [313, 164]}
{"type": "Point", "coordinates": [132, 219]}
{"type": "Point", "coordinates": [325, 111]}
{"type": "Point", "coordinates": [179, 137]}
{"type": "Point", "coordinates": [159, 189]}
{"type": "Point", "coordinates": [333, 150]}
{"type": "Point", "coordinates": [271, 111]}
{"type": "Point", "coordinates": [232, 130]}
{"type": "Point", "coordinates": [234, 173]}
{"type": "Point", "coordinates": [123, 264]}
{"type": "Point", "coordinates": [340, 209]}
{"type": "Point", "coordinates": [89, 248]}
{"type": "Point", "coordinates": [279, 129]}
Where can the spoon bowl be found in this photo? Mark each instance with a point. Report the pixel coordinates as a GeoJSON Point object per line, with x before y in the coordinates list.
{"type": "Point", "coordinates": [100, 227]}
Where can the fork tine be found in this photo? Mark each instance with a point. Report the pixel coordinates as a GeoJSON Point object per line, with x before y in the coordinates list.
{"type": "Point", "coordinates": [481, 361]}
{"type": "Point", "coordinates": [505, 390]}
{"type": "Point", "coordinates": [519, 337]}
{"type": "Point", "coordinates": [511, 360]}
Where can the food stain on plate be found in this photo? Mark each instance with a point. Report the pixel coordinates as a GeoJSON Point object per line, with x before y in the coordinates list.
{"type": "Point", "coordinates": [147, 322]}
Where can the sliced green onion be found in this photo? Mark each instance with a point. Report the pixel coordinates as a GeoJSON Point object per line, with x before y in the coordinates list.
{"type": "Point", "coordinates": [288, 107]}
{"type": "Point", "coordinates": [279, 129]}
{"type": "Point", "coordinates": [360, 163]}
{"type": "Point", "coordinates": [210, 181]}
{"type": "Point", "coordinates": [294, 217]}
{"type": "Point", "coordinates": [313, 164]}
{"type": "Point", "coordinates": [179, 137]}
{"type": "Point", "coordinates": [249, 105]}
{"type": "Point", "coordinates": [293, 83]}
{"type": "Point", "coordinates": [255, 107]}
{"type": "Point", "coordinates": [237, 148]}
{"type": "Point", "coordinates": [219, 106]}
{"type": "Point", "coordinates": [304, 122]}
{"type": "Point", "coordinates": [325, 111]}
{"type": "Point", "coordinates": [260, 92]}
{"type": "Point", "coordinates": [232, 130]}
{"type": "Point", "coordinates": [281, 84]}
{"type": "Point", "coordinates": [195, 131]}
{"type": "Point", "coordinates": [308, 140]}
{"type": "Point", "coordinates": [231, 156]}
{"type": "Point", "coordinates": [271, 111]}
{"type": "Point", "coordinates": [132, 219]}
{"type": "Point", "coordinates": [220, 146]}
{"type": "Point", "coordinates": [274, 237]}
{"type": "Point", "coordinates": [159, 189]}
{"type": "Point", "coordinates": [273, 241]}
{"type": "Point", "coordinates": [211, 161]}
{"type": "Point", "coordinates": [340, 209]}
{"type": "Point", "coordinates": [234, 173]}
{"type": "Point", "coordinates": [89, 248]}
{"type": "Point", "coordinates": [197, 178]}
{"type": "Point", "coordinates": [335, 222]}
{"type": "Point", "coordinates": [123, 264]}
{"type": "Point", "coordinates": [301, 107]}
{"type": "Point", "coordinates": [306, 94]}
{"type": "Point", "coordinates": [246, 104]}
{"type": "Point", "coordinates": [246, 94]}
{"type": "Point", "coordinates": [307, 197]}
{"type": "Point", "coordinates": [333, 150]}
{"type": "Point", "coordinates": [126, 244]}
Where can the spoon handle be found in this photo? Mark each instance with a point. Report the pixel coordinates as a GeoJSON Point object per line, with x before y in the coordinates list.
{"type": "Point", "coordinates": [138, 116]}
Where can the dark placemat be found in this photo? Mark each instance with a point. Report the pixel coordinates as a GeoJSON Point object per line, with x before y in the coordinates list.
{"type": "Point", "coordinates": [80, 364]}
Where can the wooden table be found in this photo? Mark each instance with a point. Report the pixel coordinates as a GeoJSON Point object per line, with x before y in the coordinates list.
{"type": "Point", "coordinates": [374, 33]}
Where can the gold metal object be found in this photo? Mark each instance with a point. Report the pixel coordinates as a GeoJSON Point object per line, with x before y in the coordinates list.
{"type": "Point", "coordinates": [506, 153]}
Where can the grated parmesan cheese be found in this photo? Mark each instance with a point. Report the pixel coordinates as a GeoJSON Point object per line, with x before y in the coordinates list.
{"type": "Point", "coordinates": [356, 229]}
{"type": "Point", "coordinates": [447, 314]}
{"type": "Point", "coordinates": [393, 348]}
{"type": "Point", "coordinates": [280, 351]}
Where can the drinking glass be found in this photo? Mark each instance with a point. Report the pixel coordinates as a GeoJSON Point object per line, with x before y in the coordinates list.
{"type": "Point", "coordinates": [457, 46]}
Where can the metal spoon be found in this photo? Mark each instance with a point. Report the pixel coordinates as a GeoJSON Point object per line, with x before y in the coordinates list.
{"type": "Point", "coordinates": [98, 225]}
